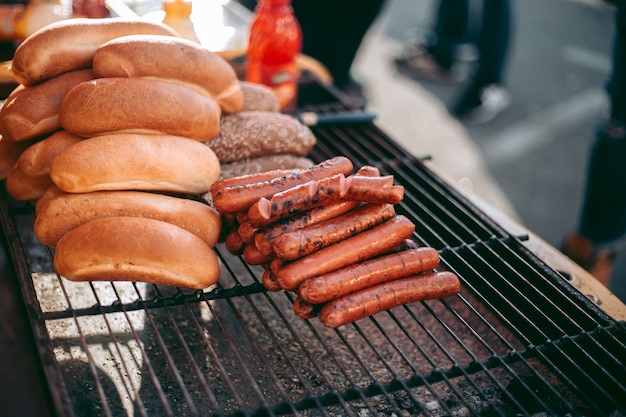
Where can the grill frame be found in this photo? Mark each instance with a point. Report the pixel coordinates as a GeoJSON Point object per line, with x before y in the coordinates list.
{"type": "Point", "coordinates": [516, 327]}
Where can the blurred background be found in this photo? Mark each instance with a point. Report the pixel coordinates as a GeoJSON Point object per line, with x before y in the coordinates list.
{"type": "Point", "coordinates": [530, 160]}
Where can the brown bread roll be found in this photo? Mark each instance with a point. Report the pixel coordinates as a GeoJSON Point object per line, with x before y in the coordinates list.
{"type": "Point", "coordinates": [10, 153]}
{"type": "Point", "coordinates": [34, 111]}
{"type": "Point", "coordinates": [175, 59]}
{"type": "Point", "coordinates": [35, 160]}
{"type": "Point", "coordinates": [70, 45]}
{"type": "Point", "coordinates": [50, 192]}
{"type": "Point", "coordinates": [252, 134]}
{"type": "Point", "coordinates": [258, 97]}
{"type": "Point", "coordinates": [23, 187]}
{"type": "Point", "coordinates": [136, 162]}
{"type": "Point", "coordinates": [264, 164]}
{"type": "Point", "coordinates": [67, 211]}
{"type": "Point", "coordinates": [136, 249]}
{"type": "Point", "coordinates": [139, 105]}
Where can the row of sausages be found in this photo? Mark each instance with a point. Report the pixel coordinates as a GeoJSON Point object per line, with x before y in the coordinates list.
{"type": "Point", "coordinates": [333, 237]}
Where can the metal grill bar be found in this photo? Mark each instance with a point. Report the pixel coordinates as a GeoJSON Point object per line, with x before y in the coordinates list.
{"type": "Point", "coordinates": [517, 340]}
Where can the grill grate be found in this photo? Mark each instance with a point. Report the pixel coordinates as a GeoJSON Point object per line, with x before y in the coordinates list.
{"type": "Point", "coordinates": [517, 340]}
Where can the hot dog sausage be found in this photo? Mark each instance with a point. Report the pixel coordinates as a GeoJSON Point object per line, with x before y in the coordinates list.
{"type": "Point", "coordinates": [234, 243]}
{"type": "Point", "coordinates": [268, 279]}
{"type": "Point", "coordinates": [309, 239]}
{"type": "Point", "coordinates": [252, 178]}
{"type": "Point", "coordinates": [253, 257]}
{"type": "Point", "coordinates": [391, 294]}
{"type": "Point", "coordinates": [235, 198]}
{"type": "Point", "coordinates": [264, 237]}
{"type": "Point", "coordinates": [373, 189]}
{"type": "Point", "coordinates": [358, 248]}
{"type": "Point", "coordinates": [353, 278]}
{"type": "Point", "coordinates": [296, 199]}
{"type": "Point", "coordinates": [305, 310]}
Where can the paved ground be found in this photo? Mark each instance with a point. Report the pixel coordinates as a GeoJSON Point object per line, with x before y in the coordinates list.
{"type": "Point", "coordinates": [529, 162]}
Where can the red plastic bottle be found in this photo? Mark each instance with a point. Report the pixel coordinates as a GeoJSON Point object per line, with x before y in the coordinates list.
{"type": "Point", "coordinates": [275, 42]}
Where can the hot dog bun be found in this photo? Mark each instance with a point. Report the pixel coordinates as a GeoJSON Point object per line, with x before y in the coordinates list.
{"type": "Point", "coordinates": [136, 249]}
{"type": "Point", "coordinates": [24, 187]}
{"type": "Point", "coordinates": [170, 58]}
{"type": "Point", "coordinates": [136, 162]}
{"type": "Point", "coordinates": [252, 134]}
{"type": "Point", "coordinates": [34, 111]}
{"type": "Point", "coordinates": [71, 44]}
{"type": "Point", "coordinates": [139, 105]}
{"type": "Point", "coordinates": [35, 160]}
{"type": "Point", "coordinates": [67, 211]}
{"type": "Point", "coordinates": [258, 97]}
{"type": "Point", "coordinates": [10, 153]}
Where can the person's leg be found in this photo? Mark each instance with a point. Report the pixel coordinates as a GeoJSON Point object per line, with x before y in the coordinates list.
{"type": "Point", "coordinates": [603, 216]}
{"type": "Point", "coordinates": [493, 41]}
{"type": "Point", "coordinates": [449, 31]}
{"type": "Point", "coordinates": [603, 213]}
{"type": "Point", "coordinates": [332, 31]}
{"type": "Point", "coordinates": [485, 96]}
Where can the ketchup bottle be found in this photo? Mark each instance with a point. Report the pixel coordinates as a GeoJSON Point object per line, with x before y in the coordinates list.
{"type": "Point", "coordinates": [274, 43]}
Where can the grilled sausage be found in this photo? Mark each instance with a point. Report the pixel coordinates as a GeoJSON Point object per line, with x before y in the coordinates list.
{"type": "Point", "coordinates": [387, 295]}
{"type": "Point", "coordinates": [373, 189]}
{"type": "Point", "coordinates": [307, 240]}
{"type": "Point", "coordinates": [358, 248]}
{"type": "Point", "coordinates": [305, 310]}
{"type": "Point", "coordinates": [264, 237]}
{"type": "Point", "coordinates": [296, 199]}
{"type": "Point", "coordinates": [236, 198]}
{"type": "Point", "coordinates": [253, 257]}
{"type": "Point", "coordinates": [234, 243]}
{"type": "Point", "coordinates": [268, 279]}
{"type": "Point", "coordinates": [353, 278]}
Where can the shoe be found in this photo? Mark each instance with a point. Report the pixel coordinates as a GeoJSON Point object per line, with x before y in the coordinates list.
{"type": "Point", "coordinates": [481, 104]}
{"type": "Point", "coordinates": [598, 263]}
{"type": "Point", "coordinates": [419, 63]}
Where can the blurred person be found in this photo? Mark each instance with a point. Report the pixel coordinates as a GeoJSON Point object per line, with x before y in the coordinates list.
{"type": "Point", "coordinates": [437, 57]}
{"type": "Point", "coordinates": [332, 33]}
{"type": "Point", "coordinates": [602, 223]}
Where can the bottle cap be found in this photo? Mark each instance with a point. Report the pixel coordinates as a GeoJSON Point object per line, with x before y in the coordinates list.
{"type": "Point", "coordinates": [177, 8]}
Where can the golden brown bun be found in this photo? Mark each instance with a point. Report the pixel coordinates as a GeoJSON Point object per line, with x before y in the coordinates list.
{"type": "Point", "coordinates": [136, 162]}
{"type": "Point", "coordinates": [34, 111]}
{"type": "Point", "coordinates": [264, 164]}
{"type": "Point", "coordinates": [258, 97]}
{"type": "Point", "coordinates": [252, 134]}
{"type": "Point", "coordinates": [139, 105]}
{"type": "Point", "coordinates": [70, 45]}
{"type": "Point", "coordinates": [10, 153]}
{"type": "Point", "coordinates": [175, 59]}
{"type": "Point", "coordinates": [67, 211]}
{"type": "Point", "coordinates": [50, 192]}
{"type": "Point", "coordinates": [136, 249]}
{"type": "Point", "coordinates": [24, 187]}
{"type": "Point", "coordinates": [35, 161]}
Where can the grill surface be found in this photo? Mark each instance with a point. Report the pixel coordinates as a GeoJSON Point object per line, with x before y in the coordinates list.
{"type": "Point", "coordinates": [517, 340]}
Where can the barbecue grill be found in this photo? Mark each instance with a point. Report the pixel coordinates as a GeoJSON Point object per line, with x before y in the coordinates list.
{"type": "Point", "coordinates": [517, 340]}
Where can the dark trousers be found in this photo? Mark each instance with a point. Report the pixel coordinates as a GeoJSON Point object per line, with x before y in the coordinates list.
{"type": "Point", "coordinates": [491, 38]}
{"type": "Point", "coordinates": [332, 31]}
{"type": "Point", "coordinates": [603, 216]}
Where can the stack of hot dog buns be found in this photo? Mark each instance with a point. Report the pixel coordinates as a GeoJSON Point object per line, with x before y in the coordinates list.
{"type": "Point", "coordinates": [333, 237]}
{"type": "Point", "coordinates": [115, 115]}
